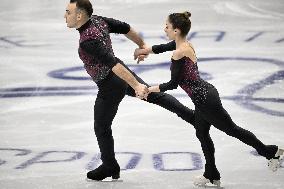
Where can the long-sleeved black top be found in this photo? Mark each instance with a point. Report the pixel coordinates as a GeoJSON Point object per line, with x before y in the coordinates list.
{"type": "Point", "coordinates": [176, 66]}
{"type": "Point", "coordinates": [184, 73]}
{"type": "Point", "coordinates": [176, 70]}
{"type": "Point", "coordinates": [164, 47]}
{"type": "Point", "coordinates": [95, 46]}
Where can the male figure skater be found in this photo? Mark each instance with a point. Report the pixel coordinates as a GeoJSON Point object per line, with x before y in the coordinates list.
{"type": "Point", "coordinates": [113, 78]}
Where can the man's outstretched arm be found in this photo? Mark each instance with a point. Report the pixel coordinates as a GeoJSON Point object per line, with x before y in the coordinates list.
{"type": "Point", "coordinates": [136, 38]}
{"type": "Point", "coordinates": [96, 48]}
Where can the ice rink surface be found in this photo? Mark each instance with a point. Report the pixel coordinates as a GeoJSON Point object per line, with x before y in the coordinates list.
{"type": "Point", "coordinates": [46, 98]}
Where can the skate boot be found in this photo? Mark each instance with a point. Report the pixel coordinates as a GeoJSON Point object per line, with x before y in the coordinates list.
{"type": "Point", "coordinates": [103, 172]}
{"type": "Point", "coordinates": [201, 181]}
{"type": "Point", "coordinates": [275, 162]}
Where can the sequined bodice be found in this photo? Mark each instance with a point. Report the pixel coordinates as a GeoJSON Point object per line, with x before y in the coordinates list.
{"type": "Point", "coordinates": [192, 84]}
{"type": "Point", "coordinates": [97, 30]}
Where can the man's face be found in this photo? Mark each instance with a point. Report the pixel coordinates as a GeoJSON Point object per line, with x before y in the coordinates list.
{"type": "Point", "coordinates": [71, 15]}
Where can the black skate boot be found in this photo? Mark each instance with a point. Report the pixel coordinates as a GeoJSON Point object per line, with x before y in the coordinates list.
{"type": "Point", "coordinates": [103, 172]}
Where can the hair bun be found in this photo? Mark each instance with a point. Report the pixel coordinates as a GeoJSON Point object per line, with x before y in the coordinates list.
{"type": "Point", "coordinates": [186, 14]}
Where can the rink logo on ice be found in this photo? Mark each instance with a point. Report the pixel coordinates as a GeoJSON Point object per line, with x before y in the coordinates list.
{"type": "Point", "coordinates": [166, 161]}
{"type": "Point", "coordinates": [244, 97]}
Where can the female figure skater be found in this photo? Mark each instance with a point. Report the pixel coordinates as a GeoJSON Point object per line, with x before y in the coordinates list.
{"type": "Point", "coordinates": [208, 107]}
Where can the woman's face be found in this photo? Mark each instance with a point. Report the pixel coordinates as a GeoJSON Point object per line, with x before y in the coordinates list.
{"type": "Point", "coordinates": [170, 32]}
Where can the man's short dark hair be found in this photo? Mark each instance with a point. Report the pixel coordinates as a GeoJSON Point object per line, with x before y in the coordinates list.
{"type": "Point", "coordinates": [84, 5]}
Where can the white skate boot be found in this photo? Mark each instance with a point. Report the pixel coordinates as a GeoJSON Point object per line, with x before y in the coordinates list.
{"type": "Point", "coordinates": [201, 181]}
{"type": "Point", "coordinates": [275, 162]}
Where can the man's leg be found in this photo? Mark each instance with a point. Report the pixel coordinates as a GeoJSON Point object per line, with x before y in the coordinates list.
{"type": "Point", "coordinates": [166, 101]}
{"type": "Point", "coordinates": [104, 112]}
{"type": "Point", "coordinates": [110, 94]}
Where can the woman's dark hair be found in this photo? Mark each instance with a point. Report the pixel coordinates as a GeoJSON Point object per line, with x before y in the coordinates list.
{"type": "Point", "coordinates": [84, 5]}
{"type": "Point", "coordinates": [181, 21]}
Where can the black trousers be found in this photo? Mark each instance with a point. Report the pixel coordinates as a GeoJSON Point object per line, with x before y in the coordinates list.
{"type": "Point", "coordinates": [111, 92]}
{"type": "Point", "coordinates": [212, 113]}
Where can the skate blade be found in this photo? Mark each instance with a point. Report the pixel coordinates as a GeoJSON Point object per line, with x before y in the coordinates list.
{"type": "Point", "coordinates": [105, 180]}
{"type": "Point", "coordinates": [281, 160]}
{"type": "Point", "coordinates": [202, 182]}
{"type": "Point", "coordinates": [280, 152]}
{"type": "Point", "coordinates": [209, 186]}
{"type": "Point", "coordinates": [275, 164]}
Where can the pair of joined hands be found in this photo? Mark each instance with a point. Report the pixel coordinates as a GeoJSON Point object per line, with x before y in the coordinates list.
{"type": "Point", "coordinates": [142, 91]}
